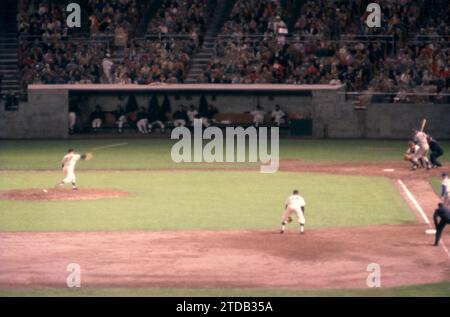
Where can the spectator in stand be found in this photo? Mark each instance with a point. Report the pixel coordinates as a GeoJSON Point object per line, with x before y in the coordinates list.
{"type": "Point", "coordinates": [107, 65]}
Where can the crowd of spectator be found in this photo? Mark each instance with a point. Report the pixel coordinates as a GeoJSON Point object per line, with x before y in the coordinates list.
{"type": "Point", "coordinates": [254, 45]}
{"type": "Point", "coordinates": [317, 53]}
{"type": "Point", "coordinates": [114, 16]}
{"type": "Point", "coordinates": [416, 72]}
{"type": "Point", "coordinates": [187, 17]}
{"type": "Point", "coordinates": [41, 18]}
{"type": "Point", "coordinates": [58, 62]}
{"type": "Point", "coordinates": [155, 61]}
{"type": "Point", "coordinates": [400, 18]}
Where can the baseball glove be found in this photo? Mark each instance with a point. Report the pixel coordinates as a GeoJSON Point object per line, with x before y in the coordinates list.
{"type": "Point", "coordinates": [288, 219]}
{"type": "Point", "coordinates": [408, 157]}
{"type": "Point", "coordinates": [87, 157]}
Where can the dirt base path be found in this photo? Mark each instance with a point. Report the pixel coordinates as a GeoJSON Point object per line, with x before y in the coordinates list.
{"type": "Point", "coordinates": [394, 169]}
{"type": "Point", "coordinates": [325, 258]}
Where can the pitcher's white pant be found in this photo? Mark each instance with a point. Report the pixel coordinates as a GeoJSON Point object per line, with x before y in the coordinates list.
{"type": "Point", "coordinates": [142, 126]}
{"type": "Point", "coordinates": [69, 176]}
{"type": "Point", "coordinates": [72, 120]}
{"type": "Point", "coordinates": [290, 210]}
{"type": "Point", "coordinates": [121, 122]}
{"type": "Point", "coordinates": [97, 123]}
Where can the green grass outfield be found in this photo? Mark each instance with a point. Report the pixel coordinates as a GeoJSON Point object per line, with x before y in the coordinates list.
{"type": "Point", "coordinates": [213, 200]}
{"type": "Point", "coordinates": [438, 289]}
{"type": "Point", "coordinates": [155, 153]}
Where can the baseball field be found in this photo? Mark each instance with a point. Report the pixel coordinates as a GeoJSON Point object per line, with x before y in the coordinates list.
{"type": "Point", "coordinates": [142, 225]}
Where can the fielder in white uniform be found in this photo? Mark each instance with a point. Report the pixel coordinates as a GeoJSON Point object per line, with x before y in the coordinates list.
{"type": "Point", "coordinates": [295, 204]}
{"type": "Point", "coordinates": [69, 162]}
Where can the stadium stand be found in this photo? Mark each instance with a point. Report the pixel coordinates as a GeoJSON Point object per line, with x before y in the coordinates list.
{"type": "Point", "coordinates": [288, 41]}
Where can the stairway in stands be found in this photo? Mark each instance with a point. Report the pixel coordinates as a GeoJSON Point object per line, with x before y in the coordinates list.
{"type": "Point", "coordinates": [9, 66]}
{"type": "Point", "coordinates": [200, 60]}
{"type": "Point", "coordinates": [9, 45]}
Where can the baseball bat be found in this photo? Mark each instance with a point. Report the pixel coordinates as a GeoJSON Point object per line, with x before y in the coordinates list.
{"type": "Point", "coordinates": [424, 123]}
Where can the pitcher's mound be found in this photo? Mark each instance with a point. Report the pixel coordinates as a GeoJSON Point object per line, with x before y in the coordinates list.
{"type": "Point", "coordinates": [60, 194]}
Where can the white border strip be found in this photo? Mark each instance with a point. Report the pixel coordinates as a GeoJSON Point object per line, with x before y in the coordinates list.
{"type": "Point", "coordinates": [422, 213]}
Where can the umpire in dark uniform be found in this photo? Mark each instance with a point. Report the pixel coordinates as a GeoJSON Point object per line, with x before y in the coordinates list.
{"type": "Point", "coordinates": [435, 151]}
{"type": "Point", "coordinates": [442, 213]}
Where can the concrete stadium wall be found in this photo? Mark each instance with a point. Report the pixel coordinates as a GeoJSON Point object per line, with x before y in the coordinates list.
{"type": "Point", "coordinates": [45, 113]}
{"type": "Point", "coordinates": [386, 121]}
{"type": "Point", "coordinates": [398, 120]}
{"type": "Point", "coordinates": [44, 116]}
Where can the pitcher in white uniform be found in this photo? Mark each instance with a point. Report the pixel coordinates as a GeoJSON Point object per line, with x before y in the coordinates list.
{"type": "Point", "coordinates": [68, 163]}
{"type": "Point", "coordinates": [295, 204]}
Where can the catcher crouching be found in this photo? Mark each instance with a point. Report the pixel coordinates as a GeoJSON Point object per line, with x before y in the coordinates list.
{"type": "Point", "coordinates": [68, 164]}
{"type": "Point", "coordinates": [412, 155]}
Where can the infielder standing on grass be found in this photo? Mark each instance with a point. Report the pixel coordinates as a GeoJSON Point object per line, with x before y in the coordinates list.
{"type": "Point", "coordinates": [68, 163]}
{"type": "Point", "coordinates": [295, 204]}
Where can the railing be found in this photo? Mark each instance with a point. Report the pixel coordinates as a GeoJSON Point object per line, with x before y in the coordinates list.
{"type": "Point", "coordinates": [363, 98]}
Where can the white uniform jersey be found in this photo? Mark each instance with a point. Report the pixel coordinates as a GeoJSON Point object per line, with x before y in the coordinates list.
{"type": "Point", "coordinates": [70, 160]}
{"type": "Point", "coordinates": [295, 201]}
{"type": "Point", "coordinates": [421, 139]}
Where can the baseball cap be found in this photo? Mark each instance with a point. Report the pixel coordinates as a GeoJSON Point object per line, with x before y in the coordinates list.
{"type": "Point", "coordinates": [444, 174]}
